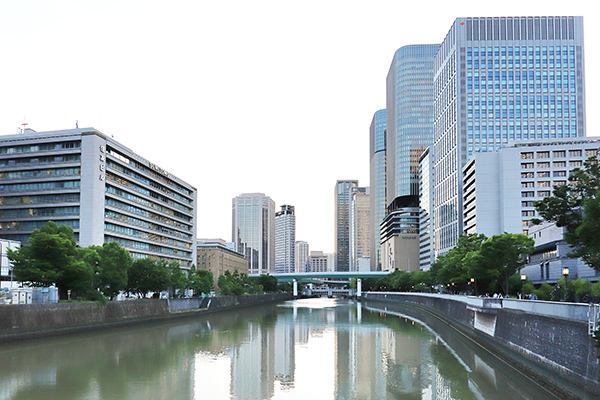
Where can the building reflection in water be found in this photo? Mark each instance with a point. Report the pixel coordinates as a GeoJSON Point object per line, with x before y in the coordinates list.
{"type": "Point", "coordinates": [307, 349]}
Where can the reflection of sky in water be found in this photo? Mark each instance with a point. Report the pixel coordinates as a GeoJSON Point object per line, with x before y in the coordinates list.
{"type": "Point", "coordinates": [309, 349]}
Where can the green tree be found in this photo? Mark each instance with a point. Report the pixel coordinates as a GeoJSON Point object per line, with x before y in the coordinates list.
{"type": "Point", "coordinates": [268, 282]}
{"type": "Point", "coordinates": [576, 207]}
{"type": "Point", "coordinates": [453, 268]}
{"type": "Point", "coordinates": [230, 284]}
{"type": "Point", "coordinates": [148, 276]}
{"type": "Point", "coordinates": [178, 279]}
{"type": "Point", "coordinates": [500, 257]}
{"type": "Point", "coordinates": [53, 258]}
{"type": "Point", "coordinates": [200, 281]}
{"type": "Point", "coordinates": [112, 268]}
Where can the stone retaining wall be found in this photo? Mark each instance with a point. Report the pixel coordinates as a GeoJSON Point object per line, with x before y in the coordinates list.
{"type": "Point", "coordinates": [26, 321]}
{"type": "Point", "coordinates": [561, 347]}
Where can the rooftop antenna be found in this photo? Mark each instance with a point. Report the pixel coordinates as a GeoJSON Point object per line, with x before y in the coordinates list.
{"type": "Point", "coordinates": [76, 124]}
{"type": "Point", "coordinates": [23, 126]}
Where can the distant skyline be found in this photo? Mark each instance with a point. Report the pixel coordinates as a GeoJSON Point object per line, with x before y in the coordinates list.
{"type": "Point", "coordinates": [234, 97]}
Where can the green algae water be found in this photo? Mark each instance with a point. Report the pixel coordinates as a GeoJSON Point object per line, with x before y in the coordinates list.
{"type": "Point", "coordinates": [305, 349]}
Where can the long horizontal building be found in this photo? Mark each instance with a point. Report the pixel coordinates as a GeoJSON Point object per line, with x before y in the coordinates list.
{"type": "Point", "coordinates": [100, 188]}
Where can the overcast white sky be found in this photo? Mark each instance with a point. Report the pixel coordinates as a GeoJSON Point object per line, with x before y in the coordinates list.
{"type": "Point", "coordinates": [234, 96]}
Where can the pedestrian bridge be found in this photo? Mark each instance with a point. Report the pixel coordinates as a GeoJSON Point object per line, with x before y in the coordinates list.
{"type": "Point", "coordinates": [320, 276]}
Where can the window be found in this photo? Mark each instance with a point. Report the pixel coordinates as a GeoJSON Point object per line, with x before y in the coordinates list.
{"type": "Point", "coordinates": [574, 164]}
{"type": "Point", "coordinates": [559, 174]}
{"type": "Point", "coordinates": [559, 183]}
{"type": "Point", "coordinates": [543, 154]}
{"type": "Point", "coordinates": [528, 213]}
{"type": "Point", "coordinates": [559, 154]}
{"type": "Point", "coordinates": [544, 184]}
{"type": "Point", "coordinates": [526, 174]}
{"type": "Point", "coordinates": [543, 165]}
{"type": "Point", "coordinates": [574, 153]}
{"type": "Point", "coordinates": [527, 204]}
{"type": "Point", "coordinates": [526, 165]}
{"type": "Point", "coordinates": [544, 174]}
{"type": "Point", "coordinates": [526, 156]}
{"type": "Point", "coordinates": [543, 193]}
{"type": "Point", "coordinates": [559, 164]}
{"type": "Point", "coordinates": [526, 184]}
{"type": "Point", "coordinates": [527, 194]}
{"type": "Point", "coordinates": [591, 152]}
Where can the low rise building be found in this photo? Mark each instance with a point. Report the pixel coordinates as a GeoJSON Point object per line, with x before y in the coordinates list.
{"type": "Point", "coordinates": [214, 255]}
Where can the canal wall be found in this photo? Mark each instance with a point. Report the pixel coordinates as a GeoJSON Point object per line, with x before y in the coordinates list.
{"type": "Point", "coordinates": [28, 321]}
{"type": "Point", "coordinates": [551, 344]}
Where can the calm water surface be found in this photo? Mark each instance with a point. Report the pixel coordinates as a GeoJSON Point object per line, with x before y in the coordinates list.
{"type": "Point", "coordinates": [307, 349]}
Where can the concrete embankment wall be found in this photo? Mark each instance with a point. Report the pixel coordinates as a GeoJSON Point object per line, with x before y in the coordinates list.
{"type": "Point", "coordinates": [27, 321]}
{"type": "Point", "coordinates": [556, 350]}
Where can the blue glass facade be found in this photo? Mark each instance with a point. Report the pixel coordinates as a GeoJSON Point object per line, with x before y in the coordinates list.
{"type": "Point", "coordinates": [377, 188]}
{"type": "Point", "coordinates": [409, 106]}
{"type": "Point", "coordinates": [497, 80]}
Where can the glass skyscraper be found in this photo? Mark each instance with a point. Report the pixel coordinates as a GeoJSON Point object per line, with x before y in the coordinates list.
{"type": "Point", "coordinates": [253, 230]}
{"type": "Point", "coordinates": [409, 112]}
{"type": "Point", "coordinates": [497, 80]}
{"type": "Point", "coordinates": [342, 224]}
{"type": "Point", "coordinates": [377, 196]}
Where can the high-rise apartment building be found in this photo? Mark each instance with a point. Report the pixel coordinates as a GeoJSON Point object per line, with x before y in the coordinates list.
{"type": "Point", "coordinates": [377, 177]}
{"type": "Point", "coordinates": [342, 224]}
{"type": "Point", "coordinates": [360, 243]}
{"type": "Point", "coordinates": [253, 230]}
{"type": "Point", "coordinates": [302, 253]}
{"type": "Point", "coordinates": [285, 240]}
{"type": "Point", "coordinates": [409, 114]}
{"type": "Point", "coordinates": [103, 190]}
{"type": "Point", "coordinates": [498, 80]}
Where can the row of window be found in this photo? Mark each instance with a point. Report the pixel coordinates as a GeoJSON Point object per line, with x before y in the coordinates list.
{"type": "Point", "coordinates": [540, 193]}
{"type": "Point", "coordinates": [132, 244]}
{"type": "Point", "coordinates": [145, 235]}
{"type": "Point", "coordinates": [40, 186]}
{"type": "Point", "coordinates": [148, 170]}
{"type": "Point", "coordinates": [522, 106]}
{"type": "Point", "coordinates": [521, 57]}
{"type": "Point", "coordinates": [140, 200]}
{"type": "Point", "coordinates": [146, 181]}
{"type": "Point", "coordinates": [546, 164]}
{"type": "Point", "coordinates": [41, 199]}
{"type": "Point", "coordinates": [543, 183]}
{"type": "Point", "coordinates": [30, 225]}
{"type": "Point", "coordinates": [543, 174]}
{"type": "Point", "coordinates": [521, 82]}
{"type": "Point", "coordinates": [145, 224]}
{"type": "Point", "coordinates": [147, 192]}
{"type": "Point", "coordinates": [529, 155]}
{"type": "Point", "coordinates": [40, 147]}
{"type": "Point", "coordinates": [38, 212]}
{"type": "Point", "coordinates": [40, 173]}
{"type": "Point", "coordinates": [40, 160]}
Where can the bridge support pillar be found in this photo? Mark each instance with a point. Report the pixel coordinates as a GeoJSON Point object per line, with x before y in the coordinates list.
{"type": "Point", "coordinates": [358, 289]}
{"type": "Point", "coordinates": [295, 289]}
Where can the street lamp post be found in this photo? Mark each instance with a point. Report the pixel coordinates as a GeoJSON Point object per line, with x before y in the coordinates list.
{"type": "Point", "coordinates": [474, 284]}
{"type": "Point", "coordinates": [523, 277]}
{"type": "Point", "coordinates": [565, 272]}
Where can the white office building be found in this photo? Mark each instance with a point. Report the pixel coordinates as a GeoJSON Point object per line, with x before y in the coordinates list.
{"type": "Point", "coordinates": [501, 187]}
{"type": "Point", "coordinates": [103, 190]}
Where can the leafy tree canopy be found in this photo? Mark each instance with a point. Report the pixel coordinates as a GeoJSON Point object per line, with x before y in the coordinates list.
{"type": "Point", "coordinates": [576, 207]}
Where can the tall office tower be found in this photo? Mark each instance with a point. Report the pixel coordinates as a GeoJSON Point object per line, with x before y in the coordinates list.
{"type": "Point", "coordinates": [426, 203]}
{"type": "Point", "coordinates": [377, 197]}
{"type": "Point", "coordinates": [285, 240]}
{"type": "Point", "coordinates": [497, 80]}
{"type": "Point", "coordinates": [103, 190]}
{"type": "Point", "coordinates": [342, 224]}
{"type": "Point", "coordinates": [360, 243]}
{"type": "Point", "coordinates": [302, 252]}
{"type": "Point", "coordinates": [253, 230]}
{"type": "Point", "coordinates": [409, 114]}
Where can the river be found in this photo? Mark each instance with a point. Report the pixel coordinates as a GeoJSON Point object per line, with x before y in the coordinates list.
{"type": "Point", "coordinates": [306, 349]}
